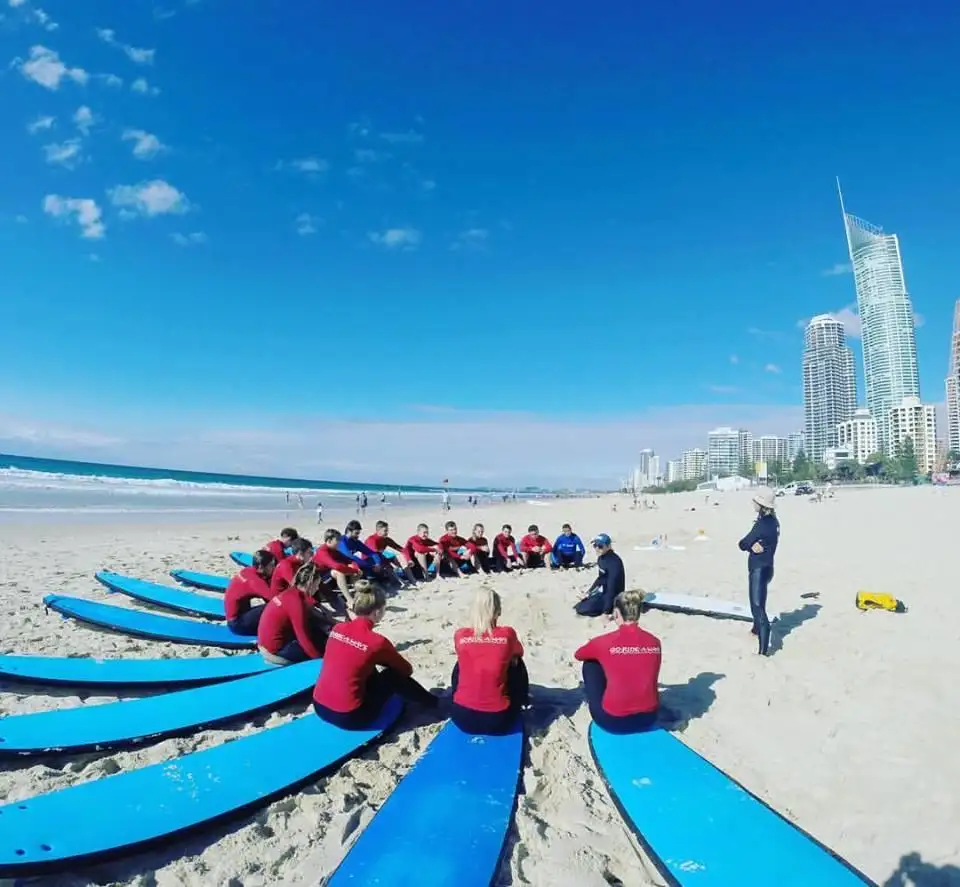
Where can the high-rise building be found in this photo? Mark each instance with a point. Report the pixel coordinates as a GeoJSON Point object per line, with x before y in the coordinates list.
{"type": "Point", "coordinates": [829, 383]}
{"type": "Point", "coordinates": [675, 471]}
{"type": "Point", "coordinates": [918, 421]}
{"type": "Point", "coordinates": [693, 464]}
{"type": "Point", "coordinates": [796, 443]}
{"type": "Point", "coordinates": [859, 435]}
{"type": "Point", "coordinates": [649, 467]}
{"type": "Point", "coordinates": [953, 386]}
{"type": "Point", "coordinates": [770, 449]}
{"type": "Point", "coordinates": [727, 449]}
{"type": "Point", "coordinates": [886, 320]}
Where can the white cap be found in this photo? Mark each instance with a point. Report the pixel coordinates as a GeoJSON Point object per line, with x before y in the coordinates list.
{"type": "Point", "coordinates": [765, 498]}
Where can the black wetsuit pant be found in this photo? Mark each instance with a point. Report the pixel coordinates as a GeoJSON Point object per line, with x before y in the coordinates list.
{"type": "Point", "coordinates": [292, 651]}
{"type": "Point", "coordinates": [381, 685]}
{"type": "Point", "coordinates": [247, 622]}
{"type": "Point", "coordinates": [759, 580]}
{"type": "Point", "coordinates": [493, 723]}
{"type": "Point", "coordinates": [594, 685]}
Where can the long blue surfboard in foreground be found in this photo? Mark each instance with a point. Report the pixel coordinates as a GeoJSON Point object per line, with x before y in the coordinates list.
{"type": "Point", "coordinates": [164, 596]}
{"type": "Point", "coordinates": [116, 724]}
{"type": "Point", "coordinates": [703, 829]}
{"type": "Point", "coordinates": [204, 581]}
{"type": "Point", "coordinates": [242, 558]}
{"type": "Point", "coordinates": [115, 814]}
{"type": "Point", "coordinates": [446, 822]}
{"type": "Point", "coordinates": [157, 673]}
{"type": "Point", "coordinates": [148, 625]}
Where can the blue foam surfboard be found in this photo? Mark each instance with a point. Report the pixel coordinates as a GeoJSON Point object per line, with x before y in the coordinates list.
{"type": "Point", "coordinates": [115, 724]}
{"type": "Point", "coordinates": [446, 822]}
{"type": "Point", "coordinates": [148, 625]}
{"type": "Point", "coordinates": [115, 814]}
{"type": "Point", "coordinates": [205, 581]}
{"type": "Point", "coordinates": [78, 672]}
{"type": "Point", "coordinates": [242, 558]}
{"type": "Point", "coordinates": [164, 596]}
{"type": "Point", "coordinates": [703, 829]}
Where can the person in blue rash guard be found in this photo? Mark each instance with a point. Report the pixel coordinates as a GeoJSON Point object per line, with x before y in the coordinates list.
{"type": "Point", "coordinates": [373, 564]}
{"type": "Point", "coordinates": [568, 550]}
{"type": "Point", "coordinates": [761, 544]}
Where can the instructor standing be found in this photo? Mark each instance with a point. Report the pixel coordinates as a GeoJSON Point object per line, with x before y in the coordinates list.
{"type": "Point", "coordinates": [610, 581]}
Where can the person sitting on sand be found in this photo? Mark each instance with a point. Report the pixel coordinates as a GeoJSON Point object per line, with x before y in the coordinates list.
{"type": "Point", "coordinates": [505, 554]}
{"type": "Point", "coordinates": [343, 570]}
{"type": "Point", "coordinates": [568, 550]}
{"type": "Point", "coordinates": [422, 551]}
{"type": "Point", "coordinates": [534, 548]}
{"type": "Point", "coordinates": [372, 563]}
{"type": "Point", "coordinates": [351, 692]}
{"type": "Point", "coordinates": [480, 549]}
{"type": "Point", "coordinates": [620, 671]}
{"type": "Point", "coordinates": [761, 543]}
{"type": "Point", "coordinates": [284, 572]}
{"type": "Point", "coordinates": [250, 583]}
{"type": "Point", "coordinates": [490, 682]}
{"type": "Point", "coordinates": [383, 545]}
{"type": "Point", "coordinates": [610, 581]}
{"type": "Point", "coordinates": [278, 547]}
{"type": "Point", "coordinates": [291, 628]}
{"type": "Point", "coordinates": [454, 550]}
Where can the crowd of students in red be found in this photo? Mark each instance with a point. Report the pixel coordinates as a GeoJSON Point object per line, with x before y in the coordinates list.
{"type": "Point", "coordinates": [308, 614]}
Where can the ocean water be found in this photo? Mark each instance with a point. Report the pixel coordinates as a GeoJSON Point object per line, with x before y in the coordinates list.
{"type": "Point", "coordinates": [32, 489]}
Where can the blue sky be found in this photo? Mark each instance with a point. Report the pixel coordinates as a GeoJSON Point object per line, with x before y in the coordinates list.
{"type": "Point", "coordinates": [463, 237]}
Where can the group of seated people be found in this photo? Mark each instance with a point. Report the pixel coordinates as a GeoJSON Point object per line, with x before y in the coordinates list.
{"type": "Point", "coordinates": [309, 614]}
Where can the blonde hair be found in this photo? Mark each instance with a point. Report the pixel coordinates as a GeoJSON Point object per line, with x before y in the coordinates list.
{"type": "Point", "coordinates": [484, 611]}
{"type": "Point", "coordinates": [629, 604]}
{"type": "Point", "coordinates": [308, 578]}
{"type": "Point", "coordinates": [368, 597]}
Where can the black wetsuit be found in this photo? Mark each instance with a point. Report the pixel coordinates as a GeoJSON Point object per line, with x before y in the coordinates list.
{"type": "Point", "coordinates": [766, 531]}
{"type": "Point", "coordinates": [610, 581]}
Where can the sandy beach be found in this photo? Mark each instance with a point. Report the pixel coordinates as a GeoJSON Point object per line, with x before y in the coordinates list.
{"type": "Point", "coordinates": [849, 729]}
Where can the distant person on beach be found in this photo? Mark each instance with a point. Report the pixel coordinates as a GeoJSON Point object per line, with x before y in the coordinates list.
{"type": "Point", "coordinates": [251, 583]}
{"type": "Point", "coordinates": [422, 551]}
{"type": "Point", "coordinates": [351, 692]}
{"type": "Point", "coordinates": [489, 682]}
{"type": "Point", "coordinates": [505, 554]}
{"type": "Point", "coordinates": [299, 500]}
{"type": "Point", "coordinates": [446, 501]}
{"type": "Point", "coordinates": [381, 543]}
{"type": "Point", "coordinates": [761, 544]}
{"type": "Point", "coordinates": [283, 573]}
{"type": "Point", "coordinates": [534, 548]}
{"type": "Point", "coordinates": [454, 550]}
{"type": "Point", "coordinates": [319, 512]}
{"type": "Point", "coordinates": [343, 569]}
{"type": "Point", "coordinates": [610, 581]}
{"type": "Point", "coordinates": [568, 549]}
{"type": "Point", "coordinates": [287, 497]}
{"type": "Point", "coordinates": [278, 547]}
{"type": "Point", "coordinates": [480, 549]}
{"type": "Point", "coordinates": [363, 503]}
{"type": "Point", "coordinates": [621, 669]}
{"type": "Point", "coordinates": [291, 628]}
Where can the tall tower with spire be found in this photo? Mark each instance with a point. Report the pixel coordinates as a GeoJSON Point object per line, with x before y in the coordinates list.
{"type": "Point", "coordinates": [953, 386]}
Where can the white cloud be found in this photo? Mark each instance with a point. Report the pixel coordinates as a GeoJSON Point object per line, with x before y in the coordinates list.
{"type": "Point", "coordinates": [45, 67]}
{"type": "Point", "coordinates": [306, 224]}
{"type": "Point", "coordinates": [153, 198]}
{"type": "Point", "coordinates": [140, 85]}
{"type": "Point", "coordinates": [16, 3]}
{"type": "Point", "coordinates": [66, 154]}
{"type": "Point", "coordinates": [402, 138]}
{"type": "Point", "coordinates": [838, 269]}
{"type": "Point", "coordinates": [94, 257]}
{"type": "Point", "coordinates": [369, 155]}
{"type": "Point", "coordinates": [308, 165]}
{"type": "Point", "coordinates": [397, 238]}
{"type": "Point", "coordinates": [21, 219]}
{"type": "Point", "coordinates": [111, 80]}
{"type": "Point", "coordinates": [146, 145]}
{"type": "Point", "coordinates": [83, 210]}
{"type": "Point", "coordinates": [41, 123]}
{"type": "Point", "coordinates": [35, 14]}
{"type": "Point", "coordinates": [135, 54]}
{"type": "Point", "coordinates": [197, 238]}
{"type": "Point", "coordinates": [723, 389]}
{"type": "Point", "coordinates": [472, 238]}
{"type": "Point", "coordinates": [84, 119]}
{"type": "Point", "coordinates": [772, 368]}
{"type": "Point", "coordinates": [851, 320]}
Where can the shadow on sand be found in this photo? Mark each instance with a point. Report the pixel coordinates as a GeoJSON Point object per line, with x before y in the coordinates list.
{"type": "Point", "coordinates": [914, 872]}
{"type": "Point", "coordinates": [682, 703]}
{"type": "Point", "coordinates": [789, 622]}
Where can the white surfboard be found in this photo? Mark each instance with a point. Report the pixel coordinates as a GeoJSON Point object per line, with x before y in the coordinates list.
{"type": "Point", "coordinates": [700, 606]}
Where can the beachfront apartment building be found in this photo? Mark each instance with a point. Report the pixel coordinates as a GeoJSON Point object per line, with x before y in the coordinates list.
{"type": "Point", "coordinates": [953, 386]}
{"type": "Point", "coordinates": [770, 449]}
{"type": "Point", "coordinates": [886, 321]}
{"type": "Point", "coordinates": [674, 471]}
{"type": "Point", "coordinates": [693, 464]}
{"type": "Point", "coordinates": [917, 421]}
{"type": "Point", "coordinates": [727, 449]}
{"type": "Point", "coordinates": [796, 444]}
{"type": "Point", "coordinates": [859, 435]}
{"type": "Point", "coordinates": [648, 468]}
{"type": "Point", "coordinates": [829, 383]}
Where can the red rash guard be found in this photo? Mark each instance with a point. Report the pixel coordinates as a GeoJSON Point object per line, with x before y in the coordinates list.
{"type": "Point", "coordinates": [530, 541]}
{"type": "Point", "coordinates": [247, 584]}
{"type": "Point", "coordinates": [333, 559]}
{"type": "Point", "coordinates": [630, 658]}
{"type": "Point", "coordinates": [504, 545]}
{"type": "Point", "coordinates": [484, 662]}
{"type": "Point", "coordinates": [284, 572]}
{"type": "Point", "coordinates": [285, 618]}
{"type": "Point", "coordinates": [353, 650]}
{"type": "Point", "coordinates": [450, 545]}
{"type": "Point", "coordinates": [416, 545]}
{"type": "Point", "coordinates": [380, 544]}
{"type": "Point", "coordinates": [276, 548]}
{"type": "Point", "coordinates": [478, 544]}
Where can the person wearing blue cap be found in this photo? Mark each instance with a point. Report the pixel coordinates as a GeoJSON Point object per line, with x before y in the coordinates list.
{"type": "Point", "coordinates": [610, 581]}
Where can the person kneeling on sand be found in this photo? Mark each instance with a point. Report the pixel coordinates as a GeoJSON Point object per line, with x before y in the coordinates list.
{"type": "Point", "coordinates": [291, 628]}
{"type": "Point", "coordinates": [250, 583]}
{"type": "Point", "coordinates": [620, 671]}
{"type": "Point", "coordinates": [342, 569]}
{"type": "Point", "coordinates": [610, 581]}
{"type": "Point", "coordinates": [350, 692]}
{"type": "Point", "coordinates": [490, 682]}
{"type": "Point", "coordinates": [534, 548]}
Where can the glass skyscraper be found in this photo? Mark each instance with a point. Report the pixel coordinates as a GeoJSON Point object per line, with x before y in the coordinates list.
{"type": "Point", "coordinates": [886, 320]}
{"type": "Point", "coordinates": [829, 384]}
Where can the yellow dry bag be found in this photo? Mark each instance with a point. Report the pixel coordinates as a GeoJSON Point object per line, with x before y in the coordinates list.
{"type": "Point", "coordinates": [877, 600]}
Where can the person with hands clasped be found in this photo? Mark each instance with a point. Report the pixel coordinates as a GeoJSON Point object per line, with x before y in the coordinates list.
{"type": "Point", "coordinates": [761, 545]}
